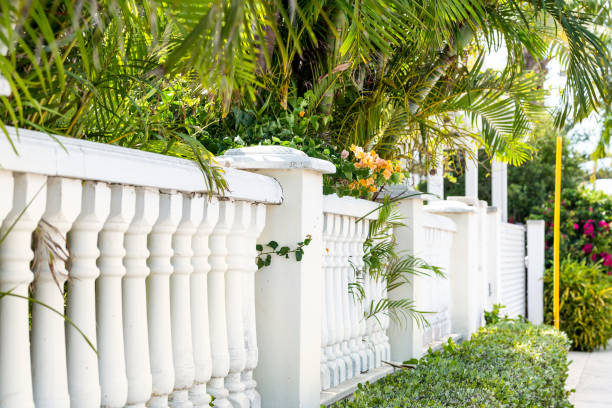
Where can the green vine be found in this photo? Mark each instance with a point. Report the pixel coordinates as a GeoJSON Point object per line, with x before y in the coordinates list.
{"type": "Point", "coordinates": [264, 258]}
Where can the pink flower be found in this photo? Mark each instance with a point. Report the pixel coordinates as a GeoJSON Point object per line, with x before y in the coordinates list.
{"type": "Point", "coordinates": [589, 229]}
{"type": "Point", "coordinates": [344, 154]}
{"type": "Point", "coordinates": [603, 224]}
{"type": "Point", "coordinates": [587, 248]}
{"type": "Point", "coordinates": [576, 226]}
{"type": "Point", "coordinates": [590, 209]}
{"type": "Point", "coordinates": [594, 257]}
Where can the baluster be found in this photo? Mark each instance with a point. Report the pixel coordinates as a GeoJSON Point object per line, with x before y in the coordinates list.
{"type": "Point", "coordinates": [49, 375]}
{"type": "Point", "coordinates": [347, 228]}
{"type": "Point", "coordinates": [353, 250]}
{"type": "Point", "coordinates": [332, 364]}
{"type": "Point", "coordinates": [256, 226]}
{"type": "Point", "coordinates": [158, 297]}
{"type": "Point", "coordinates": [199, 304]}
{"type": "Point", "coordinates": [337, 298]}
{"type": "Point", "coordinates": [324, 369]}
{"type": "Point", "coordinates": [28, 204]}
{"type": "Point", "coordinates": [238, 265]}
{"type": "Point", "coordinates": [182, 348]}
{"type": "Point", "coordinates": [361, 235]}
{"type": "Point", "coordinates": [83, 378]}
{"type": "Point", "coordinates": [369, 338]}
{"type": "Point", "coordinates": [135, 330]}
{"type": "Point", "coordinates": [216, 304]}
{"type": "Point", "coordinates": [109, 310]}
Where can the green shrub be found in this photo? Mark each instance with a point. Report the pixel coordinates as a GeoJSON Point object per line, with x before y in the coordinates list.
{"type": "Point", "coordinates": [509, 364]}
{"type": "Point", "coordinates": [585, 299]}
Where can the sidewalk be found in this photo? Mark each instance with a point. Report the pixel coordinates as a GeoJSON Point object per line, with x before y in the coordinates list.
{"type": "Point", "coordinates": [590, 374]}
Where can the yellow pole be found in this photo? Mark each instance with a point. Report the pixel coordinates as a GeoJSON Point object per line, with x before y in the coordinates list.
{"type": "Point", "coordinates": [557, 223]}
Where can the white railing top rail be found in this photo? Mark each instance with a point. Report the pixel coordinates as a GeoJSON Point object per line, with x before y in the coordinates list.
{"type": "Point", "coordinates": [517, 227]}
{"type": "Point", "coordinates": [353, 207]}
{"type": "Point", "coordinates": [81, 159]}
{"type": "Point", "coordinates": [439, 222]}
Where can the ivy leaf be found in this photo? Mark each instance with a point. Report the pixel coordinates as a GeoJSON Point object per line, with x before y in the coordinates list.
{"type": "Point", "coordinates": [273, 244]}
{"type": "Point", "coordinates": [260, 263]}
{"type": "Point", "coordinates": [268, 260]}
{"type": "Point", "coordinates": [259, 247]}
{"type": "Point", "coordinates": [283, 251]}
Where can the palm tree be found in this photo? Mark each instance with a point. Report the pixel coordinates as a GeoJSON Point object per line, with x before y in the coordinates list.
{"type": "Point", "coordinates": [388, 72]}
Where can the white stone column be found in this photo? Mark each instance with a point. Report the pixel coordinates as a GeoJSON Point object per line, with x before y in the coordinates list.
{"type": "Point", "coordinates": [199, 304]}
{"type": "Point", "coordinates": [83, 378]}
{"type": "Point", "coordinates": [109, 311]}
{"type": "Point", "coordinates": [288, 293]}
{"type": "Point", "coordinates": [158, 297]}
{"type": "Point", "coordinates": [499, 188]}
{"type": "Point", "coordinates": [49, 375]}
{"type": "Point", "coordinates": [435, 181]}
{"type": "Point", "coordinates": [180, 303]}
{"type": "Point", "coordinates": [407, 339]}
{"type": "Point", "coordinates": [471, 171]}
{"type": "Point", "coordinates": [238, 263]}
{"type": "Point", "coordinates": [466, 294]}
{"type": "Point", "coordinates": [494, 255]}
{"type": "Point", "coordinates": [217, 306]}
{"type": "Point", "coordinates": [258, 218]}
{"type": "Point", "coordinates": [135, 328]}
{"type": "Point", "coordinates": [28, 204]}
{"type": "Point", "coordinates": [535, 270]}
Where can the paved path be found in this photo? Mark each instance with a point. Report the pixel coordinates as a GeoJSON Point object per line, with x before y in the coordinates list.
{"type": "Point", "coordinates": [591, 375]}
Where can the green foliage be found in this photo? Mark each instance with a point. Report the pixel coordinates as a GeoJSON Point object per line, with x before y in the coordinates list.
{"type": "Point", "coordinates": [86, 71]}
{"type": "Point", "coordinates": [585, 301]}
{"type": "Point", "coordinates": [585, 229]}
{"type": "Point", "coordinates": [509, 364]}
{"type": "Point", "coordinates": [493, 316]}
{"type": "Point", "coordinates": [530, 184]}
{"type": "Point", "coordinates": [264, 258]}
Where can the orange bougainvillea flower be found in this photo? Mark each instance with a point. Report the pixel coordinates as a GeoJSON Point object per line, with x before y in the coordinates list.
{"type": "Point", "coordinates": [372, 189]}
{"type": "Point", "coordinates": [387, 174]}
{"type": "Point", "coordinates": [302, 113]}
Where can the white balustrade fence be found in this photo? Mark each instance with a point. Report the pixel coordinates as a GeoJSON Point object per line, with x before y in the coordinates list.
{"type": "Point", "coordinates": [159, 277]}
{"type": "Point", "coordinates": [438, 234]}
{"type": "Point", "coordinates": [513, 279]}
{"type": "Point", "coordinates": [350, 344]}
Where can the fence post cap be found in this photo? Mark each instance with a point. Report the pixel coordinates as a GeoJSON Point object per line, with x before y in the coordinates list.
{"type": "Point", "coordinates": [449, 206]}
{"type": "Point", "coordinates": [274, 158]}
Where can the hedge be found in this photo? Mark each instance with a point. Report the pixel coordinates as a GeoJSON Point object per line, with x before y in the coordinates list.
{"type": "Point", "coordinates": [508, 364]}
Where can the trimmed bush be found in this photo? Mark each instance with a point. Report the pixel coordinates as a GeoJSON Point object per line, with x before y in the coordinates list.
{"type": "Point", "coordinates": [585, 299]}
{"type": "Point", "coordinates": [508, 364]}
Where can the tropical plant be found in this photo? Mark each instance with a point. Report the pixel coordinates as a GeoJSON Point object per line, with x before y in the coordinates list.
{"type": "Point", "coordinates": [508, 364]}
{"type": "Point", "coordinates": [383, 263]}
{"type": "Point", "coordinates": [401, 77]}
{"type": "Point", "coordinates": [585, 303]}
{"type": "Point", "coordinates": [585, 229]}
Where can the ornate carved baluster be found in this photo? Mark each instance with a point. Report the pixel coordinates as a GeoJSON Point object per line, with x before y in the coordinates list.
{"type": "Point", "coordinates": [216, 304]}
{"type": "Point", "coordinates": [257, 224]}
{"type": "Point", "coordinates": [199, 304]}
{"type": "Point", "coordinates": [182, 349]}
{"type": "Point", "coordinates": [337, 298]}
{"type": "Point", "coordinates": [347, 223]}
{"type": "Point", "coordinates": [326, 374]}
{"type": "Point", "coordinates": [330, 230]}
{"type": "Point", "coordinates": [28, 204]}
{"type": "Point", "coordinates": [83, 378]}
{"type": "Point", "coordinates": [238, 264]}
{"type": "Point", "coordinates": [49, 375]}
{"type": "Point", "coordinates": [158, 297]}
{"type": "Point", "coordinates": [109, 311]}
{"type": "Point", "coordinates": [135, 330]}
{"type": "Point", "coordinates": [355, 340]}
